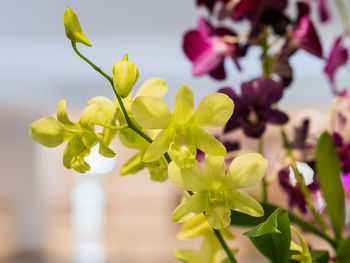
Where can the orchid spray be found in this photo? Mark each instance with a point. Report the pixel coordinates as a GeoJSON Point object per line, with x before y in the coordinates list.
{"type": "Point", "coordinates": [212, 170]}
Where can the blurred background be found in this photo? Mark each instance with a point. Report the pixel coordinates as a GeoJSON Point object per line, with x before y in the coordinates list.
{"type": "Point", "coordinates": [49, 214]}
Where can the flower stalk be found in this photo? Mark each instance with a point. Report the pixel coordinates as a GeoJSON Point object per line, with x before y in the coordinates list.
{"type": "Point", "coordinates": [300, 180]}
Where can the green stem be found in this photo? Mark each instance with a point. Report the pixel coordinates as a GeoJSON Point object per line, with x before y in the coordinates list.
{"type": "Point", "coordinates": [224, 245]}
{"type": "Point", "coordinates": [263, 181]}
{"type": "Point", "coordinates": [343, 14]}
{"type": "Point", "coordinates": [311, 228]}
{"type": "Point", "coordinates": [301, 181]}
{"type": "Point", "coordinates": [132, 126]}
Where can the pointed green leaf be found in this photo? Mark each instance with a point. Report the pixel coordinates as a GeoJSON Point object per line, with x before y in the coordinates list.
{"type": "Point", "coordinates": [272, 237]}
{"type": "Point", "coordinates": [328, 171]}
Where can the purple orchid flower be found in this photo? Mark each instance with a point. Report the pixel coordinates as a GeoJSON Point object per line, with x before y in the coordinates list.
{"type": "Point", "coordinates": [262, 13]}
{"type": "Point", "coordinates": [338, 56]}
{"type": "Point", "coordinates": [300, 136]}
{"type": "Point", "coordinates": [293, 190]}
{"type": "Point", "coordinates": [323, 10]}
{"type": "Point", "coordinates": [254, 107]}
{"type": "Point", "coordinates": [243, 7]}
{"type": "Point", "coordinates": [207, 49]}
{"type": "Point", "coordinates": [343, 150]}
{"type": "Point", "coordinates": [304, 34]}
{"type": "Point", "coordinates": [210, 4]}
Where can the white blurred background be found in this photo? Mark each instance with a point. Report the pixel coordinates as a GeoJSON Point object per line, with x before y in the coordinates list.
{"type": "Point", "coordinates": [50, 214]}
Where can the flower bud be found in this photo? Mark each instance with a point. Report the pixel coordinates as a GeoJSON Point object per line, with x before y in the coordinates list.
{"type": "Point", "coordinates": [73, 29]}
{"type": "Point", "coordinates": [125, 75]}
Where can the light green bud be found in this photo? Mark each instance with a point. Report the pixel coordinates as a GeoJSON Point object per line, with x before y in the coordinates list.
{"type": "Point", "coordinates": [73, 28]}
{"type": "Point", "coordinates": [125, 75]}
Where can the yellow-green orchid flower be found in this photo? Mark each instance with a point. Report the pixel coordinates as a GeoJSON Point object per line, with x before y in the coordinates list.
{"type": "Point", "coordinates": [182, 131]}
{"type": "Point", "coordinates": [81, 136]}
{"type": "Point", "coordinates": [303, 249]}
{"type": "Point", "coordinates": [73, 28]}
{"type": "Point", "coordinates": [210, 252]}
{"type": "Point", "coordinates": [155, 87]}
{"type": "Point", "coordinates": [216, 194]}
{"type": "Point", "coordinates": [199, 226]}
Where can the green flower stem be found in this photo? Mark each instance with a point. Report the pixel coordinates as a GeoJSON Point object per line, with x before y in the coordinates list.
{"type": "Point", "coordinates": [263, 181]}
{"type": "Point", "coordinates": [343, 14]}
{"type": "Point", "coordinates": [132, 126]}
{"type": "Point", "coordinates": [224, 245]}
{"type": "Point", "coordinates": [301, 182]}
{"type": "Point", "coordinates": [311, 228]}
{"type": "Point", "coordinates": [120, 101]}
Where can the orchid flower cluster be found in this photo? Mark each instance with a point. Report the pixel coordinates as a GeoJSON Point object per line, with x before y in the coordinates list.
{"type": "Point", "coordinates": [212, 170]}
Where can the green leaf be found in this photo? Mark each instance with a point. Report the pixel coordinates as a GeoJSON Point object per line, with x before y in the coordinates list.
{"type": "Point", "coordinates": [272, 237]}
{"type": "Point", "coordinates": [328, 170]}
{"type": "Point", "coordinates": [320, 256]}
{"type": "Point", "coordinates": [343, 250]}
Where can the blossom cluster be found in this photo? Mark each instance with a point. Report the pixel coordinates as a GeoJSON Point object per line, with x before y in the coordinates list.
{"type": "Point", "coordinates": [213, 170]}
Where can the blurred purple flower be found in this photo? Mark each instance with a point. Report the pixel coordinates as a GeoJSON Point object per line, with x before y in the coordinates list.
{"type": "Point", "coordinates": [254, 107]}
{"type": "Point", "coordinates": [243, 7]}
{"type": "Point", "coordinates": [207, 49]}
{"type": "Point", "coordinates": [323, 10]}
{"type": "Point", "coordinates": [304, 34]}
{"type": "Point", "coordinates": [293, 190]}
{"type": "Point", "coordinates": [263, 13]}
{"type": "Point", "coordinates": [210, 4]}
{"type": "Point", "coordinates": [300, 136]}
{"type": "Point", "coordinates": [346, 182]}
{"type": "Point", "coordinates": [338, 56]}
{"type": "Point", "coordinates": [343, 150]}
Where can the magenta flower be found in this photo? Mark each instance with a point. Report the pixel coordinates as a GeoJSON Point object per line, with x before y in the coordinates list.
{"type": "Point", "coordinates": [343, 150]}
{"type": "Point", "coordinates": [207, 49]}
{"type": "Point", "coordinates": [254, 107]}
{"type": "Point", "coordinates": [243, 7]}
{"type": "Point", "coordinates": [263, 13]}
{"type": "Point", "coordinates": [338, 56]}
{"type": "Point", "coordinates": [323, 10]}
{"type": "Point", "coordinates": [304, 34]}
{"type": "Point", "coordinates": [210, 4]}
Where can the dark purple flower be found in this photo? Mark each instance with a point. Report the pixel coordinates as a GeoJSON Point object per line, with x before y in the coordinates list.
{"type": "Point", "coordinates": [338, 56]}
{"type": "Point", "coordinates": [254, 107]}
{"type": "Point", "coordinates": [210, 4]}
{"type": "Point", "coordinates": [282, 67]}
{"type": "Point", "coordinates": [262, 13]}
{"type": "Point", "coordinates": [323, 10]}
{"type": "Point", "coordinates": [300, 136]}
{"type": "Point", "coordinates": [304, 34]}
{"type": "Point", "coordinates": [243, 7]}
{"type": "Point", "coordinates": [293, 190]}
{"type": "Point", "coordinates": [343, 150]}
{"type": "Point", "coordinates": [207, 49]}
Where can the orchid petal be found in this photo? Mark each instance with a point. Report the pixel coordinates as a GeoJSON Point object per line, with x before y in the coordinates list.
{"type": "Point", "coordinates": [151, 112]}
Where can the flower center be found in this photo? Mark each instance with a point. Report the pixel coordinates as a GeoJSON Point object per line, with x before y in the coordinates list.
{"type": "Point", "coordinates": [216, 197]}
{"type": "Point", "coordinates": [252, 117]}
